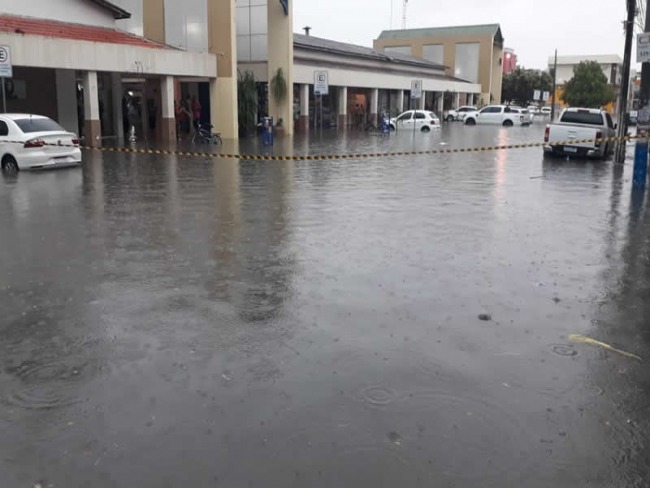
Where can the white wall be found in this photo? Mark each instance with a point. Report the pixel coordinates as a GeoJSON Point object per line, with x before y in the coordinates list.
{"type": "Point", "coordinates": [135, 24]}
{"type": "Point", "coordinates": [565, 73]}
{"type": "Point", "coordinates": [374, 79]}
{"type": "Point", "coordinates": [66, 99]}
{"type": "Point", "coordinates": [55, 53]}
{"type": "Point", "coordinates": [77, 11]}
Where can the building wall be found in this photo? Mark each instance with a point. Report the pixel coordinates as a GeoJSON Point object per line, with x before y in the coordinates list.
{"type": "Point", "coordinates": [489, 57]}
{"type": "Point", "coordinates": [78, 11]}
{"type": "Point", "coordinates": [134, 25]}
{"type": "Point", "coordinates": [565, 73]}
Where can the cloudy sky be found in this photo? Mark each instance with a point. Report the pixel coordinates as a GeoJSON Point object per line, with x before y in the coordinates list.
{"type": "Point", "coordinates": [533, 28]}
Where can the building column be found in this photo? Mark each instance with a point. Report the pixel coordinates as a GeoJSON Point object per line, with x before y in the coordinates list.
{"type": "Point", "coordinates": [400, 101]}
{"type": "Point", "coordinates": [66, 100]}
{"type": "Point", "coordinates": [92, 125]}
{"type": "Point", "coordinates": [280, 56]}
{"type": "Point", "coordinates": [456, 100]}
{"type": "Point", "coordinates": [470, 99]}
{"type": "Point", "coordinates": [222, 41]}
{"type": "Point", "coordinates": [342, 106]}
{"type": "Point", "coordinates": [374, 106]}
{"type": "Point", "coordinates": [303, 122]}
{"type": "Point", "coordinates": [116, 101]}
{"type": "Point", "coordinates": [421, 100]}
{"type": "Point", "coordinates": [441, 105]}
{"type": "Point", "coordinates": [168, 112]}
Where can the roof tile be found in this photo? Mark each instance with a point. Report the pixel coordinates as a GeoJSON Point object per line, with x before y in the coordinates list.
{"type": "Point", "coordinates": [50, 28]}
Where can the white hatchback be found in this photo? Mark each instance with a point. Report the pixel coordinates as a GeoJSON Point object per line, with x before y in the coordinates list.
{"type": "Point", "coordinates": [35, 142]}
{"type": "Point", "coordinates": [415, 120]}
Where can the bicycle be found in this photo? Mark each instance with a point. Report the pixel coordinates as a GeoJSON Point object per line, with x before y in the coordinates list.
{"type": "Point", "coordinates": [205, 135]}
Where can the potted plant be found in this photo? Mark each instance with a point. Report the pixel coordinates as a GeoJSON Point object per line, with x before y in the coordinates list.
{"type": "Point", "coordinates": [246, 102]}
{"type": "Point", "coordinates": [279, 90]}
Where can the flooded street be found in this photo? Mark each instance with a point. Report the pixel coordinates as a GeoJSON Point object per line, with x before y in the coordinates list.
{"type": "Point", "coordinates": [404, 321]}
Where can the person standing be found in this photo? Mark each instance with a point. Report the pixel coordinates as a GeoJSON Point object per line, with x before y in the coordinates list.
{"type": "Point", "coordinates": [196, 113]}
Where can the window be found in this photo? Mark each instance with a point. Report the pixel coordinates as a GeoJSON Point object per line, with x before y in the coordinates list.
{"type": "Point", "coordinates": [434, 53]}
{"type": "Point", "coordinates": [403, 117]}
{"type": "Point", "coordinates": [420, 115]}
{"type": "Point", "coordinates": [610, 122]}
{"type": "Point", "coordinates": [467, 59]}
{"type": "Point", "coordinates": [35, 124]}
{"type": "Point", "coordinates": [4, 130]}
{"type": "Point", "coordinates": [583, 117]}
{"type": "Point", "coordinates": [491, 110]}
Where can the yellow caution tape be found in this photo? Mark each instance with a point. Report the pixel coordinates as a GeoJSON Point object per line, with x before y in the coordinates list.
{"type": "Point", "coordinates": [593, 342]}
{"type": "Point", "coordinates": [333, 157]}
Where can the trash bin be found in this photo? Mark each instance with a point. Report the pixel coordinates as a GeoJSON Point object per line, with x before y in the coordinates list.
{"type": "Point", "coordinates": [267, 131]}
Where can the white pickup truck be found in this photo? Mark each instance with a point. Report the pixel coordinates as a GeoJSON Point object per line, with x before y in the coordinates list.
{"type": "Point", "coordinates": [577, 124]}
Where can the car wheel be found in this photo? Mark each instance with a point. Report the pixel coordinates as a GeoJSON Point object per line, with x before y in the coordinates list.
{"type": "Point", "coordinates": [426, 129]}
{"type": "Point", "coordinates": [508, 123]}
{"type": "Point", "coordinates": [470, 122]}
{"type": "Point", "coordinates": [9, 164]}
{"type": "Point", "coordinates": [450, 118]}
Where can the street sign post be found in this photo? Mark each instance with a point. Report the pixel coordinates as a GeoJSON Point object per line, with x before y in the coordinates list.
{"type": "Point", "coordinates": [321, 83]}
{"type": "Point", "coordinates": [6, 71]}
{"type": "Point", "coordinates": [537, 95]}
{"type": "Point", "coordinates": [416, 89]}
{"type": "Point", "coordinates": [546, 96]}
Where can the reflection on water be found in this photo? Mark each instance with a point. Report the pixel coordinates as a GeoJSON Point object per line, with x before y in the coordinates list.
{"type": "Point", "coordinates": [245, 323]}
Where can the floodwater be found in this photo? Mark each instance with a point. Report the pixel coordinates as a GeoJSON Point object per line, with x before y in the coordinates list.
{"type": "Point", "coordinates": [179, 322]}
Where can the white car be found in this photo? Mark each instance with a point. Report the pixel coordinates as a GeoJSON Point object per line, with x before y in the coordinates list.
{"type": "Point", "coordinates": [546, 111]}
{"type": "Point", "coordinates": [421, 120]}
{"type": "Point", "coordinates": [497, 115]}
{"type": "Point", "coordinates": [527, 114]}
{"type": "Point", "coordinates": [534, 110]}
{"type": "Point", "coordinates": [459, 114]}
{"type": "Point", "coordinates": [34, 142]}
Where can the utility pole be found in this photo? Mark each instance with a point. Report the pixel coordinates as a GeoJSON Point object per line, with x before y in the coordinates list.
{"type": "Point", "coordinates": [554, 88]}
{"type": "Point", "coordinates": [644, 96]}
{"type": "Point", "coordinates": [625, 81]}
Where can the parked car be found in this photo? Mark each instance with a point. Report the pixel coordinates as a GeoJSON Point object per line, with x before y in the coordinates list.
{"type": "Point", "coordinates": [497, 115]}
{"type": "Point", "coordinates": [527, 116]}
{"type": "Point", "coordinates": [533, 109]}
{"type": "Point", "coordinates": [546, 111]}
{"type": "Point", "coordinates": [580, 124]}
{"type": "Point", "coordinates": [459, 114]}
{"type": "Point", "coordinates": [423, 120]}
{"type": "Point", "coordinates": [33, 142]}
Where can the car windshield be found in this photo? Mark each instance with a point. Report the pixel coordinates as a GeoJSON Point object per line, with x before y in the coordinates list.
{"type": "Point", "coordinates": [38, 124]}
{"type": "Point", "coordinates": [582, 117]}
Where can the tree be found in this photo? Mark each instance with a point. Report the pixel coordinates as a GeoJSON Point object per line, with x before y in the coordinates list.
{"type": "Point", "coordinates": [520, 85]}
{"type": "Point", "coordinates": [246, 102]}
{"type": "Point", "coordinates": [588, 88]}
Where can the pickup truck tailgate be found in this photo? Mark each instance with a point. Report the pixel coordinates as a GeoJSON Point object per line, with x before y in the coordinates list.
{"type": "Point", "coordinates": [568, 134]}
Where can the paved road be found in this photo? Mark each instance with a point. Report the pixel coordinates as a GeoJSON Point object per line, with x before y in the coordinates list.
{"type": "Point", "coordinates": [178, 322]}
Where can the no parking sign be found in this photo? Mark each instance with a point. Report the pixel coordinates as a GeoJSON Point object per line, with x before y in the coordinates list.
{"type": "Point", "coordinates": [6, 70]}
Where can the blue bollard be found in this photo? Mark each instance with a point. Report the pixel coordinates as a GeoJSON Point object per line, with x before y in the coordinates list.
{"type": "Point", "coordinates": [640, 164]}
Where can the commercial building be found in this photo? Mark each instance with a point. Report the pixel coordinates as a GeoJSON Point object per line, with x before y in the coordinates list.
{"type": "Point", "coordinates": [610, 64]}
{"type": "Point", "coordinates": [473, 53]}
{"type": "Point", "coordinates": [509, 60]}
{"type": "Point", "coordinates": [95, 65]}
{"type": "Point", "coordinates": [81, 72]}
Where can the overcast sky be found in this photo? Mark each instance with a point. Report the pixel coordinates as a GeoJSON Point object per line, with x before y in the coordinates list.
{"type": "Point", "coordinates": [533, 28]}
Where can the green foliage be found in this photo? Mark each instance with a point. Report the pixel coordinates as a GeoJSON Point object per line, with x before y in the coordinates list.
{"type": "Point", "coordinates": [520, 85]}
{"type": "Point", "coordinates": [279, 86]}
{"type": "Point", "coordinates": [246, 101]}
{"type": "Point", "coordinates": [588, 88]}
